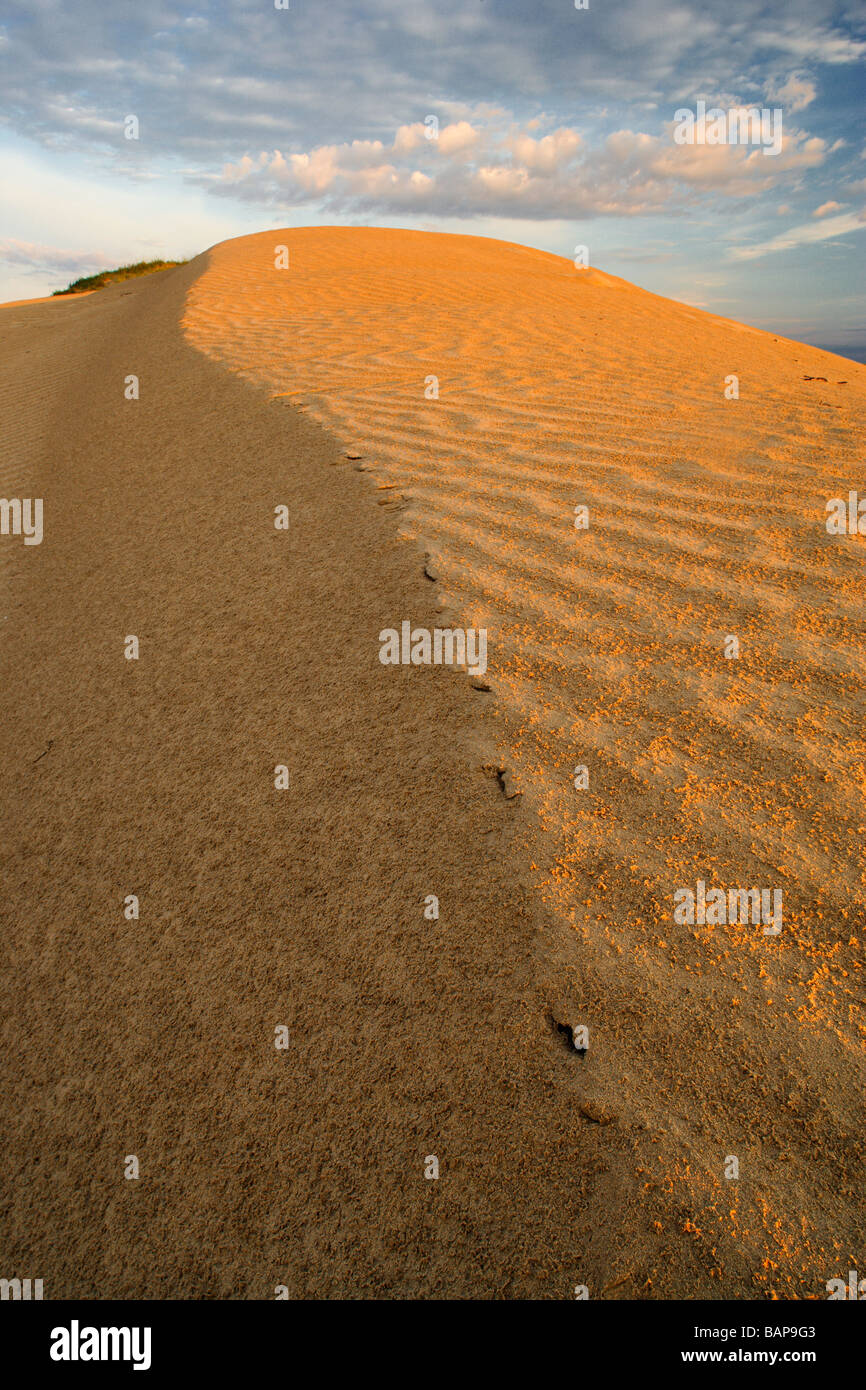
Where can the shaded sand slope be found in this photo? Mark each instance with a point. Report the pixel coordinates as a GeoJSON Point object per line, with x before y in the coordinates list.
{"type": "Point", "coordinates": [559, 388]}
{"type": "Point", "coordinates": [155, 1037]}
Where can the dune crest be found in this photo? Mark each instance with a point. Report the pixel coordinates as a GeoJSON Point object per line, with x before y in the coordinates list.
{"type": "Point", "coordinates": [500, 390]}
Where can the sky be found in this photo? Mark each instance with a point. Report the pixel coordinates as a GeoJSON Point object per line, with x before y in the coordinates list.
{"type": "Point", "coordinates": [535, 122]}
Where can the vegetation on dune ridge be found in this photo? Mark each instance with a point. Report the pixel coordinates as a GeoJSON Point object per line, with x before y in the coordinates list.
{"type": "Point", "coordinates": [110, 277]}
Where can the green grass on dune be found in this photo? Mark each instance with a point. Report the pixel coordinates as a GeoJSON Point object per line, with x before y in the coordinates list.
{"type": "Point", "coordinates": [110, 277]}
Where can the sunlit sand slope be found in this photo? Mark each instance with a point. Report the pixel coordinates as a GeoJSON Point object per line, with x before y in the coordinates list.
{"type": "Point", "coordinates": [499, 389]}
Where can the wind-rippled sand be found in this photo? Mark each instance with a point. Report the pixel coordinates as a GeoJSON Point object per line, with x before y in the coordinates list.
{"type": "Point", "coordinates": [560, 388]}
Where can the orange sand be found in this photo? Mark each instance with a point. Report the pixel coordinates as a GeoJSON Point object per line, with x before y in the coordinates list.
{"type": "Point", "coordinates": [557, 388]}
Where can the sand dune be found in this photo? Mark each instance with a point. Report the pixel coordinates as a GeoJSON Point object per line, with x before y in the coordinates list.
{"type": "Point", "coordinates": [560, 388]}
{"type": "Point", "coordinates": [413, 1036]}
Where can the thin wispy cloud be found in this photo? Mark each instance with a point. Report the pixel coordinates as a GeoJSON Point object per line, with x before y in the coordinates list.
{"type": "Point", "coordinates": [38, 257]}
{"type": "Point", "coordinates": [805, 235]}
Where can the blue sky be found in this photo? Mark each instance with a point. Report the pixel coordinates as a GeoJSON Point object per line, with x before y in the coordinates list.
{"type": "Point", "coordinates": [555, 129]}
